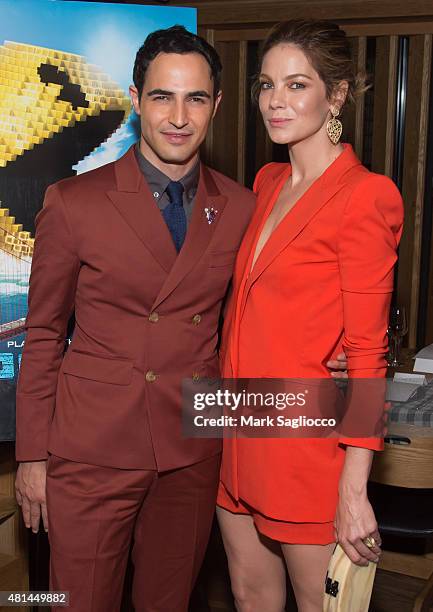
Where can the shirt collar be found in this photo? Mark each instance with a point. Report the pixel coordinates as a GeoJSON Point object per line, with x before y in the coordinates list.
{"type": "Point", "coordinates": [158, 181]}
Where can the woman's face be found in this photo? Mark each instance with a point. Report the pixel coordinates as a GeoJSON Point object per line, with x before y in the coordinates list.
{"type": "Point", "coordinates": [292, 97]}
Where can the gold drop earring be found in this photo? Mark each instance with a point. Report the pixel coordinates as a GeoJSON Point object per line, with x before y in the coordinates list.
{"type": "Point", "coordinates": [334, 127]}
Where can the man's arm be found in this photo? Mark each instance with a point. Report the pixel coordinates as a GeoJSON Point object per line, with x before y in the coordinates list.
{"type": "Point", "coordinates": [53, 281]}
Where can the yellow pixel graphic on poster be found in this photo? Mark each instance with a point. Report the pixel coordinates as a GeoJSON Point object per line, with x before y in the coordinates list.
{"type": "Point", "coordinates": [45, 91]}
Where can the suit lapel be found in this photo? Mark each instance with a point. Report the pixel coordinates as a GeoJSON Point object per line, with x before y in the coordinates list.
{"type": "Point", "coordinates": [199, 232]}
{"type": "Point", "coordinates": [136, 205]}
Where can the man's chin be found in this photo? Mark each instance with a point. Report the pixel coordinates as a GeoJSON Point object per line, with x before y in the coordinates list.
{"type": "Point", "coordinates": [178, 157]}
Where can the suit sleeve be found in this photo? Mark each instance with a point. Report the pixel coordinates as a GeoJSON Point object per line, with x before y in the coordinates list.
{"type": "Point", "coordinates": [53, 280]}
{"type": "Point", "coordinates": [367, 251]}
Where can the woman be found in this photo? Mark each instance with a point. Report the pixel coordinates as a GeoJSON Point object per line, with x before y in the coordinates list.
{"type": "Point", "coordinates": [314, 276]}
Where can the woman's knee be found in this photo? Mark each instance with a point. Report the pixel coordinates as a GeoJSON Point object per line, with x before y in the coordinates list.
{"type": "Point", "coordinates": [256, 596]}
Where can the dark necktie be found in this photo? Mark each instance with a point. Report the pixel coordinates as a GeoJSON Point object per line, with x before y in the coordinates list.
{"type": "Point", "coordinates": [174, 213]}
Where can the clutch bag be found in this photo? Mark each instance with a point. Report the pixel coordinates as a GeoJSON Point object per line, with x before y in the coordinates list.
{"type": "Point", "coordinates": [348, 586]}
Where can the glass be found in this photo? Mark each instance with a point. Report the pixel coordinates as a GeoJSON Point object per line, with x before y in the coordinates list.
{"type": "Point", "coordinates": [397, 329]}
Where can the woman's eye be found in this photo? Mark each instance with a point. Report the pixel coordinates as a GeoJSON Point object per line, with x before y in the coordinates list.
{"type": "Point", "coordinates": [297, 86]}
{"type": "Point", "coordinates": [265, 85]}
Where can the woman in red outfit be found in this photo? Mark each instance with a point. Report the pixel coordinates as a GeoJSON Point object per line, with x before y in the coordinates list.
{"type": "Point", "coordinates": [314, 276]}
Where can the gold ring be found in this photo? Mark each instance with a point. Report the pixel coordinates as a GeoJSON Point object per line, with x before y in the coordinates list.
{"type": "Point", "coordinates": [369, 542]}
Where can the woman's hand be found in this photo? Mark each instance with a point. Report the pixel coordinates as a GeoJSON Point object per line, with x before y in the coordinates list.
{"type": "Point", "coordinates": [338, 366]}
{"type": "Point", "coordinates": [354, 522]}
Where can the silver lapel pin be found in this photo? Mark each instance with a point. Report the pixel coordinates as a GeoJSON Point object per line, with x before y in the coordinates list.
{"type": "Point", "coordinates": [210, 213]}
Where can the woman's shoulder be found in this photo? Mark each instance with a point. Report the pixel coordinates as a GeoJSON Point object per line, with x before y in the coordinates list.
{"type": "Point", "coordinates": [372, 196]}
{"type": "Point", "coordinates": [362, 181]}
{"type": "Point", "coordinates": [269, 171]}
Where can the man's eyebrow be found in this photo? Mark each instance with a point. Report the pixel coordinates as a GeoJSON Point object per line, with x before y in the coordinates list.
{"type": "Point", "coordinates": [201, 93]}
{"type": "Point", "coordinates": [198, 94]}
{"type": "Point", "coordinates": [159, 92]}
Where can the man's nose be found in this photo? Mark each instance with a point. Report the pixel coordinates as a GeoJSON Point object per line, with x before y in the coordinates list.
{"type": "Point", "coordinates": [179, 115]}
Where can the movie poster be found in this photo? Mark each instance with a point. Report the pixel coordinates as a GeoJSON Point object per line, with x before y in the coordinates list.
{"type": "Point", "coordinates": [65, 69]}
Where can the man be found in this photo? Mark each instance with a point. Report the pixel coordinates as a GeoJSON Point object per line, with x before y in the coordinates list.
{"type": "Point", "coordinates": [143, 251]}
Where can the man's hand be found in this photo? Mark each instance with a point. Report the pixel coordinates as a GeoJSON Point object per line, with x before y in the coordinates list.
{"type": "Point", "coordinates": [30, 493]}
{"type": "Point", "coordinates": [339, 366]}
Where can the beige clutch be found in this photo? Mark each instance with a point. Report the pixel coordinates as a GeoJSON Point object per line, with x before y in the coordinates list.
{"type": "Point", "coordinates": [348, 586]}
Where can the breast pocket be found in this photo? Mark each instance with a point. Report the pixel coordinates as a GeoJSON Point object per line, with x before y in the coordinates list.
{"type": "Point", "coordinates": [220, 271]}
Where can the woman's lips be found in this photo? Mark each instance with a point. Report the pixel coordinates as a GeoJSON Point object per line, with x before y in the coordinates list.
{"type": "Point", "coordinates": [279, 122]}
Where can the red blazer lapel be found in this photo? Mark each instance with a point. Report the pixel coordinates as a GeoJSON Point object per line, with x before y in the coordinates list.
{"type": "Point", "coordinates": [199, 233]}
{"type": "Point", "coordinates": [315, 198]}
{"type": "Point", "coordinates": [136, 205]}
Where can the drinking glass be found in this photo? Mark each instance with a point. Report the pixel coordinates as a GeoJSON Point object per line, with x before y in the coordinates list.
{"type": "Point", "coordinates": [396, 330]}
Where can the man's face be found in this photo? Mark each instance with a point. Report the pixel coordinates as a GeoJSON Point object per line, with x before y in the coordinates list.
{"type": "Point", "coordinates": [176, 107]}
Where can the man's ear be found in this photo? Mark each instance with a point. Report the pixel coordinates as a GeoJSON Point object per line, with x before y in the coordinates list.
{"type": "Point", "coordinates": [135, 98]}
{"type": "Point", "coordinates": [218, 99]}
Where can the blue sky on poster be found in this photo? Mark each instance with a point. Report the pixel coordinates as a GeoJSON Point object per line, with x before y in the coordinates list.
{"type": "Point", "coordinates": [107, 34]}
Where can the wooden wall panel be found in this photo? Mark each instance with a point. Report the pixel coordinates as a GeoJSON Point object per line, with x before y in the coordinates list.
{"type": "Point", "coordinates": [429, 323]}
{"type": "Point", "coordinates": [353, 115]}
{"type": "Point", "coordinates": [384, 104]}
{"type": "Point", "coordinates": [420, 53]}
{"type": "Point", "coordinates": [225, 146]}
{"type": "Point", "coordinates": [227, 13]}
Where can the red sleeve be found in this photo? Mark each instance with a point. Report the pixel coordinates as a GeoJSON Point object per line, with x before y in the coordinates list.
{"type": "Point", "coordinates": [369, 235]}
{"type": "Point", "coordinates": [53, 280]}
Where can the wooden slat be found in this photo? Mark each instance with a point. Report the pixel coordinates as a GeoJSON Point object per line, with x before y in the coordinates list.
{"type": "Point", "coordinates": [420, 190]}
{"type": "Point", "coordinates": [384, 75]}
{"type": "Point", "coordinates": [402, 465]}
{"type": "Point", "coordinates": [384, 104]}
{"type": "Point", "coordinates": [429, 323]}
{"type": "Point", "coordinates": [413, 177]}
{"type": "Point", "coordinates": [419, 566]}
{"type": "Point", "coordinates": [391, 106]}
{"type": "Point", "coordinates": [8, 506]}
{"type": "Point", "coordinates": [208, 145]}
{"type": "Point", "coordinates": [256, 11]}
{"type": "Point", "coordinates": [263, 142]}
{"type": "Point", "coordinates": [228, 134]}
{"type": "Point", "coordinates": [353, 30]}
{"type": "Point", "coordinates": [243, 92]}
{"type": "Point", "coordinates": [361, 57]}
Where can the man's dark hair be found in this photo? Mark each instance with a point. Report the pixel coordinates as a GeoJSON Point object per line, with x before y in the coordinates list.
{"type": "Point", "coordinates": [176, 39]}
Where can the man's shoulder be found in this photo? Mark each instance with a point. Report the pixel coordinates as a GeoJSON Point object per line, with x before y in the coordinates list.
{"type": "Point", "coordinates": [100, 179]}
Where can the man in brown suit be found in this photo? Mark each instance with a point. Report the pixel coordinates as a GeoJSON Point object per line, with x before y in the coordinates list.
{"type": "Point", "coordinates": [142, 250]}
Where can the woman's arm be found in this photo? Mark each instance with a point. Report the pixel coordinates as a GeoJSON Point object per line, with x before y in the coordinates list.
{"type": "Point", "coordinates": [369, 234]}
{"type": "Point", "coordinates": [367, 249]}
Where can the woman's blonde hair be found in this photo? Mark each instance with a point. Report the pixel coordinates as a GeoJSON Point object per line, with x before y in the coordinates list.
{"type": "Point", "coordinates": [326, 47]}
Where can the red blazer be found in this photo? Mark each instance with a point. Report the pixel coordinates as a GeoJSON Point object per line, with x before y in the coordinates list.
{"type": "Point", "coordinates": [145, 318]}
{"type": "Point", "coordinates": [321, 284]}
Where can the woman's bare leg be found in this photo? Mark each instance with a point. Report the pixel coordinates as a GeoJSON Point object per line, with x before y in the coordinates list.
{"type": "Point", "coordinates": [307, 565]}
{"type": "Point", "coordinates": [256, 566]}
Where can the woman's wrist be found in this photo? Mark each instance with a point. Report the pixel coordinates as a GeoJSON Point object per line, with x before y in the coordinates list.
{"type": "Point", "coordinates": [352, 488]}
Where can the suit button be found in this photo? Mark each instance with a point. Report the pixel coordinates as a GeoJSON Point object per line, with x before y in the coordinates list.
{"type": "Point", "coordinates": [150, 376]}
{"type": "Point", "coordinates": [196, 319]}
{"type": "Point", "coordinates": [195, 376]}
{"type": "Point", "coordinates": [154, 317]}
